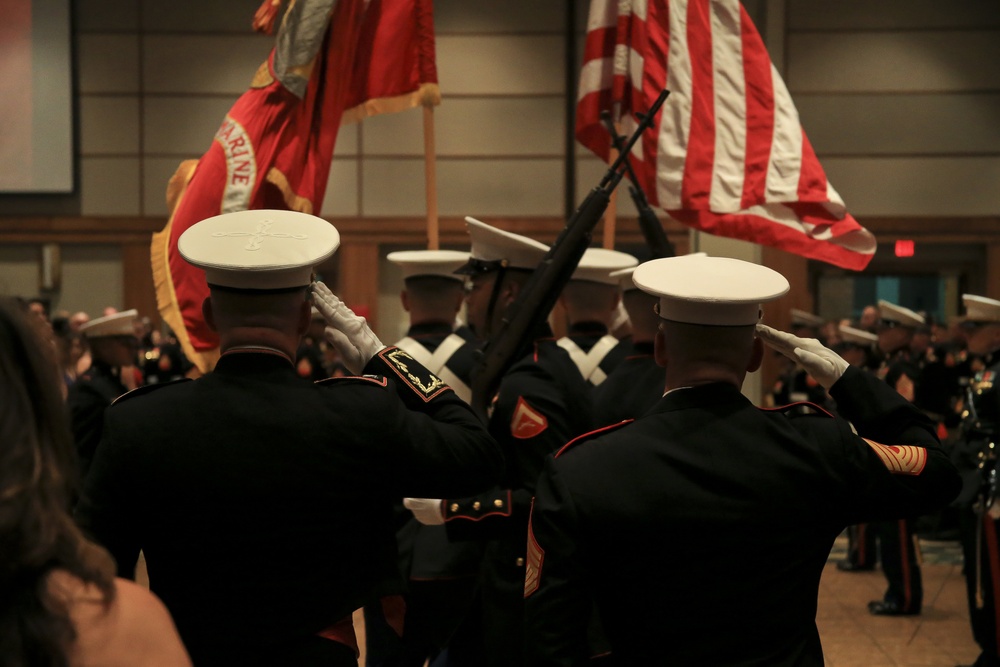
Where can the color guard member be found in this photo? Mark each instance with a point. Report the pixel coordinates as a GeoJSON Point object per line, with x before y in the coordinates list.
{"type": "Point", "coordinates": [542, 403]}
{"type": "Point", "coordinates": [263, 502]}
{"type": "Point", "coordinates": [700, 531]}
{"type": "Point", "coordinates": [591, 299]}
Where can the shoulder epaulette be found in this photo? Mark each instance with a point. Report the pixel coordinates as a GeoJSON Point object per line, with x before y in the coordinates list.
{"type": "Point", "coordinates": [369, 379]}
{"type": "Point", "coordinates": [146, 389]}
{"type": "Point", "coordinates": [591, 435]}
{"type": "Point", "coordinates": [800, 408]}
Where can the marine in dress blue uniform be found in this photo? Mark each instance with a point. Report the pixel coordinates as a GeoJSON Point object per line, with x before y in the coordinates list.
{"type": "Point", "coordinates": [976, 458]}
{"type": "Point", "coordinates": [591, 299]}
{"type": "Point", "coordinates": [700, 531]}
{"type": "Point", "coordinates": [439, 575]}
{"type": "Point", "coordinates": [113, 344]}
{"type": "Point", "coordinates": [263, 502]}
{"type": "Point", "coordinates": [636, 384]}
{"type": "Point", "coordinates": [898, 548]}
{"type": "Point", "coordinates": [857, 347]}
{"type": "Point", "coordinates": [542, 402]}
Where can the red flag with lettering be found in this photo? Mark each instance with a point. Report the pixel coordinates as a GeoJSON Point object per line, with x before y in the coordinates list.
{"type": "Point", "coordinates": [728, 155]}
{"type": "Point", "coordinates": [274, 147]}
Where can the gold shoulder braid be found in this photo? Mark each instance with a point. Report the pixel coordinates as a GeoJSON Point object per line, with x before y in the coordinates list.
{"type": "Point", "coordinates": [422, 381]}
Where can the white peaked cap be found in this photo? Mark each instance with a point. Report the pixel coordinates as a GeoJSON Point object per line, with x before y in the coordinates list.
{"type": "Point", "coordinates": [981, 308]}
{"type": "Point", "coordinates": [805, 318]}
{"type": "Point", "coordinates": [893, 313]}
{"type": "Point", "coordinates": [490, 244]}
{"type": "Point", "coordinates": [857, 336]}
{"type": "Point", "coordinates": [259, 249]}
{"type": "Point", "coordinates": [427, 263]}
{"type": "Point", "coordinates": [118, 324]}
{"type": "Point", "coordinates": [717, 291]}
{"type": "Point", "coordinates": [598, 265]}
{"type": "Point", "coordinates": [624, 276]}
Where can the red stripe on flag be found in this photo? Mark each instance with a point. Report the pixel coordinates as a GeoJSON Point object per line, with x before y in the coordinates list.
{"type": "Point", "coordinates": [654, 79]}
{"type": "Point", "coordinates": [696, 187]}
{"type": "Point", "coordinates": [767, 232]}
{"type": "Point", "coordinates": [812, 178]}
{"type": "Point", "coordinates": [760, 113]}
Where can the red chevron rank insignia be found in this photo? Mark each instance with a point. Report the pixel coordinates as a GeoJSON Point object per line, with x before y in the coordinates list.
{"type": "Point", "coordinates": [900, 459]}
{"type": "Point", "coordinates": [527, 422]}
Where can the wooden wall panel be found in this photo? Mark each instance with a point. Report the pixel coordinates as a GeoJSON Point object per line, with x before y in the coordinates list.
{"type": "Point", "coordinates": [137, 280]}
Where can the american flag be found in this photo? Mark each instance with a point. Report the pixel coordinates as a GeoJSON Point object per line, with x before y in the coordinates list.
{"type": "Point", "coordinates": [729, 155]}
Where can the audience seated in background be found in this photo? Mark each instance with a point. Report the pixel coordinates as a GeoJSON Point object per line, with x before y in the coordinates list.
{"type": "Point", "coordinates": [61, 604]}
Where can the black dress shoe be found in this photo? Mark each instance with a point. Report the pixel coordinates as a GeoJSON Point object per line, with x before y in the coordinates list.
{"type": "Point", "coordinates": [886, 608]}
{"type": "Point", "coordinates": [848, 566]}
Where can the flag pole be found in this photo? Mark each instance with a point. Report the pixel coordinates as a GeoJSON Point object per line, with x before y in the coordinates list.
{"type": "Point", "coordinates": [430, 177]}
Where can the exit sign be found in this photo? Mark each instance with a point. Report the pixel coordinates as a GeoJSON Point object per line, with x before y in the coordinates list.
{"type": "Point", "coordinates": [904, 248]}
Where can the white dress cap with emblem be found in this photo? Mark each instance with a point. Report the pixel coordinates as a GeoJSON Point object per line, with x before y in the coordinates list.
{"type": "Point", "coordinates": [715, 291]}
{"type": "Point", "coordinates": [981, 308]}
{"type": "Point", "coordinates": [259, 249]}
{"type": "Point", "coordinates": [490, 244]}
{"type": "Point", "coordinates": [118, 324]}
{"type": "Point", "coordinates": [598, 264]}
{"type": "Point", "coordinates": [429, 263]}
{"type": "Point", "coordinates": [806, 319]}
{"type": "Point", "coordinates": [624, 276]}
{"type": "Point", "coordinates": [904, 316]}
{"type": "Point", "coordinates": [857, 336]}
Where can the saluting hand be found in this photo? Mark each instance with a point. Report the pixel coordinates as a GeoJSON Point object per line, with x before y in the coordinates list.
{"type": "Point", "coordinates": [825, 365]}
{"type": "Point", "coordinates": [427, 511]}
{"type": "Point", "coordinates": [345, 330]}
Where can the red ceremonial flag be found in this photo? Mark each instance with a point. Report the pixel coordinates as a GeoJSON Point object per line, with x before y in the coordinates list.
{"type": "Point", "coordinates": [729, 156]}
{"type": "Point", "coordinates": [274, 147]}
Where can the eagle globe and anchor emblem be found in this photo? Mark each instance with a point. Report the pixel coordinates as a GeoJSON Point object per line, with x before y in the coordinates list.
{"type": "Point", "coordinates": [260, 233]}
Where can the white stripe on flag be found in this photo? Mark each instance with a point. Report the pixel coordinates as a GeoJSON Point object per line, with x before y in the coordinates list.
{"type": "Point", "coordinates": [730, 107]}
{"type": "Point", "coordinates": [603, 14]}
{"type": "Point", "coordinates": [785, 164]}
{"type": "Point", "coordinates": [675, 114]}
{"type": "Point", "coordinates": [594, 76]}
{"type": "Point", "coordinates": [641, 9]}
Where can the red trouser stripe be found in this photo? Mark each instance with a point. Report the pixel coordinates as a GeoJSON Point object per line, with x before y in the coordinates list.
{"type": "Point", "coordinates": [904, 555]}
{"type": "Point", "coordinates": [859, 535]}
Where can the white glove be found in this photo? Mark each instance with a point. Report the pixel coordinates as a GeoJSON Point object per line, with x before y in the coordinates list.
{"type": "Point", "coordinates": [428, 511]}
{"type": "Point", "coordinates": [825, 365]}
{"type": "Point", "coordinates": [346, 331]}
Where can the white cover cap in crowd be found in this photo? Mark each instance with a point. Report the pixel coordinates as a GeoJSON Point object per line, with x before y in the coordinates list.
{"type": "Point", "coordinates": [118, 324]}
{"type": "Point", "coordinates": [259, 249]}
{"type": "Point", "coordinates": [857, 336]}
{"type": "Point", "coordinates": [903, 316]}
{"type": "Point", "coordinates": [492, 247]}
{"type": "Point", "coordinates": [717, 291]}
{"type": "Point", "coordinates": [429, 263]}
{"type": "Point", "coordinates": [624, 276]}
{"type": "Point", "coordinates": [980, 308]}
{"type": "Point", "coordinates": [805, 318]}
{"type": "Point", "coordinates": [598, 265]}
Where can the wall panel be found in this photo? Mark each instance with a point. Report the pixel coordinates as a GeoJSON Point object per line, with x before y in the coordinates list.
{"type": "Point", "coordinates": [502, 65]}
{"type": "Point", "coordinates": [923, 61]}
{"type": "Point", "coordinates": [902, 124]}
{"type": "Point", "coordinates": [107, 63]}
{"type": "Point", "coordinates": [110, 186]}
{"type": "Point", "coordinates": [109, 125]}
{"type": "Point", "coordinates": [215, 65]}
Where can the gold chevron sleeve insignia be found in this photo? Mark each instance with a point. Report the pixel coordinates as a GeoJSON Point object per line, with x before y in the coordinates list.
{"type": "Point", "coordinates": [900, 459]}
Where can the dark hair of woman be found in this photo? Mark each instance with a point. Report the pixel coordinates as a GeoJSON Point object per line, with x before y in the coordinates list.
{"type": "Point", "coordinates": [37, 482]}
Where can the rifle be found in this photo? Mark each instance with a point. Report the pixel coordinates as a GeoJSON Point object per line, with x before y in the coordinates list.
{"type": "Point", "coordinates": [539, 294]}
{"type": "Point", "coordinates": [652, 230]}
